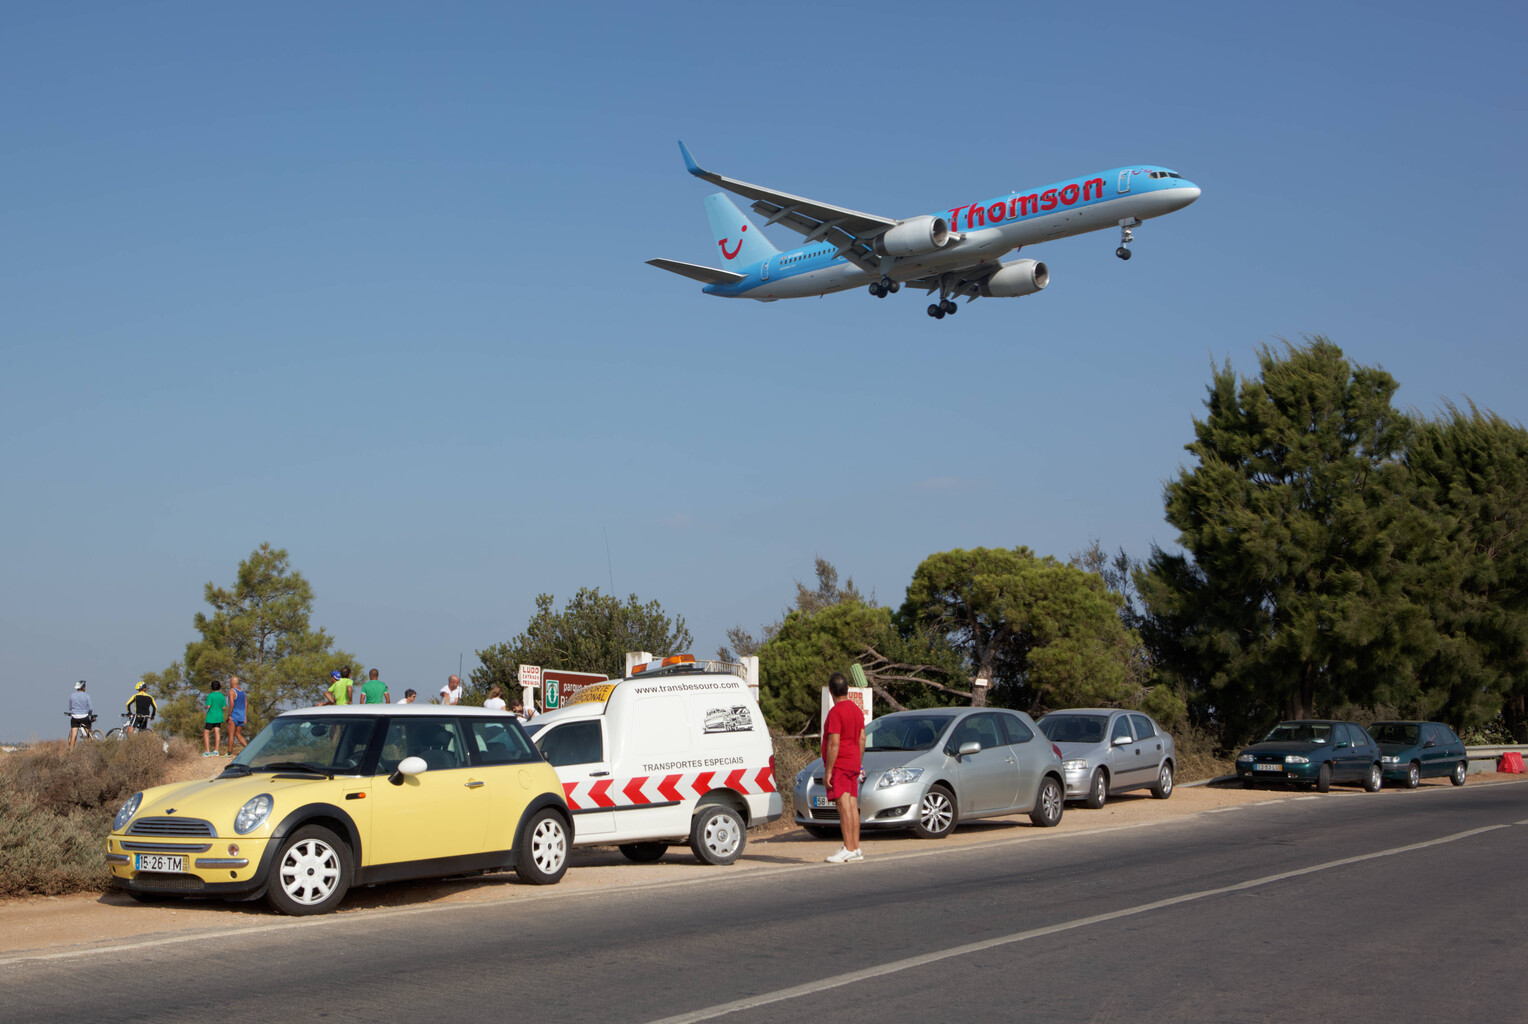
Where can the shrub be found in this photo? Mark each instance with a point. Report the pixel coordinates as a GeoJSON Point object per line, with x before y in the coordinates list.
{"type": "Point", "coordinates": [791, 755]}
{"type": "Point", "coordinates": [56, 808]}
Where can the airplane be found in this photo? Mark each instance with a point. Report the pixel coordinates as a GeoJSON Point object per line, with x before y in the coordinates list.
{"type": "Point", "coordinates": [955, 252]}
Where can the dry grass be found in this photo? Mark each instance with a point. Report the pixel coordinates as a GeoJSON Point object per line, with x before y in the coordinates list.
{"type": "Point", "coordinates": [791, 755]}
{"type": "Point", "coordinates": [56, 807]}
{"type": "Point", "coordinates": [1200, 757]}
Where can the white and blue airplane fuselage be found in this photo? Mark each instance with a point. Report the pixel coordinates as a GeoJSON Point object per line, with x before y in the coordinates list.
{"type": "Point", "coordinates": [957, 251]}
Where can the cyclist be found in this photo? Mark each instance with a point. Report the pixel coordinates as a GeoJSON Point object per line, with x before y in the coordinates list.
{"type": "Point", "coordinates": [81, 714]}
{"type": "Point", "coordinates": [142, 707]}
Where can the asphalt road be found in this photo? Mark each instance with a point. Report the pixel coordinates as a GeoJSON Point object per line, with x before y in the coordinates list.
{"type": "Point", "coordinates": [1334, 908]}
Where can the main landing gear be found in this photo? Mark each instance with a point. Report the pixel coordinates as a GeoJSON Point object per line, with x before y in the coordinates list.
{"type": "Point", "coordinates": [884, 287]}
{"type": "Point", "coordinates": [1126, 237]}
{"type": "Point", "coordinates": [943, 308]}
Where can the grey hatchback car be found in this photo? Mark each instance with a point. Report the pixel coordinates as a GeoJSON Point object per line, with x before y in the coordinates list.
{"type": "Point", "coordinates": [1107, 750]}
{"type": "Point", "coordinates": [926, 770]}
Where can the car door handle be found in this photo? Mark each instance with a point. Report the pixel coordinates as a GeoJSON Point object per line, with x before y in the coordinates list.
{"type": "Point", "coordinates": [473, 784]}
{"type": "Point", "coordinates": [596, 775]}
{"type": "Point", "coordinates": [1008, 759]}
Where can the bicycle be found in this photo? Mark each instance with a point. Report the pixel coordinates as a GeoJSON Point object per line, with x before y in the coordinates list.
{"type": "Point", "coordinates": [91, 733]}
{"type": "Point", "coordinates": [120, 732]}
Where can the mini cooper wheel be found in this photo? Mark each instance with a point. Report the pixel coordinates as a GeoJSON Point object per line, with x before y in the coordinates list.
{"type": "Point", "coordinates": [311, 874]}
{"type": "Point", "coordinates": [1373, 780]}
{"type": "Point", "coordinates": [1047, 812]}
{"type": "Point", "coordinates": [1324, 779]}
{"type": "Point", "coordinates": [543, 855]}
{"type": "Point", "coordinates": [1458, 774]}
{"type": "Point", "coordinates": [936, 814]}
{"type": "Point", "coordinates": [1164, 786]}
{"type": "Point", "coordinates": [717, 834]}
{"type": "Point", "coordinates": [643, 853]}
{"type": "Point", "coordinates": [1098, 790]}
{"type": "Point", "coordinates": [1413, 775]}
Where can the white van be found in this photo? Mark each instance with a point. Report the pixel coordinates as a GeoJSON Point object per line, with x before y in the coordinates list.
{"type": "Point", "coordinates": [674, 752]}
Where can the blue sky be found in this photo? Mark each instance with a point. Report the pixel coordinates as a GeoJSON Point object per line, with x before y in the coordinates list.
{"type": "Point", "coordinates": [365, 281]}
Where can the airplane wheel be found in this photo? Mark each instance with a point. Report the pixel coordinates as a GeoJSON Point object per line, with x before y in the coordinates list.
{"type": "Point", "coordinates": [894, 287]}
{"type": "Point", "coordinates": [877, 291]}
{"type": "Point", "coordinates": [935, 312]}
{"type": "Point", "coordinates": [1122, 253]}
{"type": "Point", "coordinates": [949, 307]}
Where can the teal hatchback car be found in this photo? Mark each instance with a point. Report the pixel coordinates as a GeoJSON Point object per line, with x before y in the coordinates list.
{"type": "Point", "coordinates": [1312, 752]}
{"type": "Point", "coordinates": [1413, 751]}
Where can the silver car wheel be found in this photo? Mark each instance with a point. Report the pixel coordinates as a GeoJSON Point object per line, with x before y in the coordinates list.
{"type": "Point", "coordinates": [936, 814]}
{"type": "Point", "coordinates": [549, 845]}
{"type": "Point", "coordinates": [309, 872]}
{"type": "Point", "coordinates": [1049, 804]}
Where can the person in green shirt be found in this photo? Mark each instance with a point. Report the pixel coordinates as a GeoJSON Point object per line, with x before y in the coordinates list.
{"type": "Point", "coordinates": [339, 689]}
{"type": "Point", "coordinates": [373, 691]}
{"type": "Point", "coordinates": [212, 728]}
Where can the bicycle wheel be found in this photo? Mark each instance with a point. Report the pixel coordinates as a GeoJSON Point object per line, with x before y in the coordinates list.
{"type": "Point", "coordinates": [96, 734]}
{"type": "Point", "coordinates": [119, 733]}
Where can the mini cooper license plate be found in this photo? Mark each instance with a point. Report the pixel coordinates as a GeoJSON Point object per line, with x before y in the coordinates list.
{"type": "Point", "coordinates": [821, 801]}
{"type": "Point", "coordinates": [1268, 767]}
{"type": "Point", "coordinates": [160, 862]}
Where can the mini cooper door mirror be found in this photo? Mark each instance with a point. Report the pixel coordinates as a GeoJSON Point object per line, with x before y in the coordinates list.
{"type": "Point", "coordinates": [408, 766]}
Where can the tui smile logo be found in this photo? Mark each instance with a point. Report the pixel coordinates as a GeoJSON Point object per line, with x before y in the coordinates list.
{"type": "Point", "coordinates": [735, 249]}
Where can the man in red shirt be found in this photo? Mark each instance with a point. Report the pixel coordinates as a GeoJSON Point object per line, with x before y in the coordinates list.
{"type": "Point", "coordinates": [843, 751]}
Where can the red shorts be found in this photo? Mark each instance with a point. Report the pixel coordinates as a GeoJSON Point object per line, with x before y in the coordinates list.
{"type": "Point", "coordinates": [842, 782]}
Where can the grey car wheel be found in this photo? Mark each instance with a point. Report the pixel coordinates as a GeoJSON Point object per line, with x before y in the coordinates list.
{"type": "Point", "coordinates": [1373, 780]}
{"type": "Point", "coordinates": [1458, 774]}
{"type": "Point", "coordinates": [936, 814]}
{"type": "Point", "coordinates": [1413, 775]}
{"type": "Point", "coordinates": [1098, 790]}
{"type": "Point", "coordinates": [1047, 812]}
{"type": "Point", "coordinates": [1164, 786]}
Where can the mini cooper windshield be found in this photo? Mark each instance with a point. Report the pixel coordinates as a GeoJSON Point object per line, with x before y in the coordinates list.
{"type": "Point", "coordinates": [327, 745]}
{"type": "Point", "coordinates": [910, 732]}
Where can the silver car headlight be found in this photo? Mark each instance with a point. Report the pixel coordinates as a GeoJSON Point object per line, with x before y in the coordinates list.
{"type": "Point", "coordinates": [253, 814]}
{"type": "Point", "coordinates": [1389, 759]}
{"type": "Point", "coordinates": [898, 777]}
{"type": "Point", "coordinates": [1245, 758]}
{"type": "Point", "coordinates": [1295, 759]}
{"type": "Point", "coordinates": [1074, 766]}
{"type": "Point", "coordinates": [125, 815]}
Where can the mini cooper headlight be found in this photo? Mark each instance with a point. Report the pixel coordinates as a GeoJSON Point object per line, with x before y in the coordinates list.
{"type": "Point", "coordinates": [125, 815]}
{"type": "Point", "coordinates": [253, 814]}
{"type": "Point", "coordinates": [898, 777]}
{"type": "Point", "coordinates": [1074, 766]}
{"type": "Point", "coordinates": [1295, 759]}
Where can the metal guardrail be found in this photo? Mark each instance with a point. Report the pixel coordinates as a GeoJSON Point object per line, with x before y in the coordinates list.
{"type": "Point", "coordinates": [1483, 759]}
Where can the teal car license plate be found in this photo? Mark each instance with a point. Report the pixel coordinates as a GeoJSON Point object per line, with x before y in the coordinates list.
{"type": "Point", "coordinates": [1268, 767]}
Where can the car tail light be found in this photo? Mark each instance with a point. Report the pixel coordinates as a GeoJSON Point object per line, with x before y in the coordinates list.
{"type": "Point", "coordinates": [1058, 752]}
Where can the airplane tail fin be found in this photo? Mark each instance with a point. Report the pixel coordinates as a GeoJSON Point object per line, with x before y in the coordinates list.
{"type": "Point", "coordinates": [740, 241]}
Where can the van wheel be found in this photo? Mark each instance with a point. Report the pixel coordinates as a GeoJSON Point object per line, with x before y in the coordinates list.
{"type": "Point", "coordinates": [717, 834]}
{"type": "Point", "coordinates": [643, 853]}
{"type": "Point", "coordinates": [542, 856]}
{"type": "Point", "coordinates": [821, 831]}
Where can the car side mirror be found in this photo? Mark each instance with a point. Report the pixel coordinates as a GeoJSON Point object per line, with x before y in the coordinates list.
{"type": "Point", "coordinates": [1430, 743]}
{"type": "Point", "coordinates": [1341, 744]}
{"type": "Point", "coordinates": [1121, 741]}
{"type": "Point", "coordinates": [408, 766]}
{"type": "Point", "coordinates": [968, 748]}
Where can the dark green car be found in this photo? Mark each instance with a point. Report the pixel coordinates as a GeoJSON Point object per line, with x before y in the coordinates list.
{"type": "Point", "coordinates": [1413, 751]}
{"type": "Point", "coordinates": [1312, 752]}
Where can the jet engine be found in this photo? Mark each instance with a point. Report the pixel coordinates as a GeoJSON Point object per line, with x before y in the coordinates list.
{"type": "Point", "coordinates": [913, 237]}
{"type": "Point", "coordinates": [1021, 277]}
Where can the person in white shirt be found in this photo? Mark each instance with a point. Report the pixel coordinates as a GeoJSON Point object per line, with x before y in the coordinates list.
{"type": "Point", "coordinates": [495, 701]}
{"type": "Point", "coordinates": [408, 697]}
{"type": "Point", "coordinates": [451, 693]}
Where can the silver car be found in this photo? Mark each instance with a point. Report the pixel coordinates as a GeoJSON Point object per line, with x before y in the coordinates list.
{"type": "Point", "coordinates": [926, 770]}
{"type": "Point", "coordinates": [1106, 750]}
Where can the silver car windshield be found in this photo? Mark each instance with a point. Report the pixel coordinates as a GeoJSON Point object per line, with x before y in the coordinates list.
{"type": "Point", "coordinates": [1074, 728]}
{"type": "Point", "coordinates": [905, 732]}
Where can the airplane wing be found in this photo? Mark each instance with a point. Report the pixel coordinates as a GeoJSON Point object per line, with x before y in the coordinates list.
{"type": "Point", "coordinates": [854, 233]}
{"type": "Point", "coordinates": [694, 271]}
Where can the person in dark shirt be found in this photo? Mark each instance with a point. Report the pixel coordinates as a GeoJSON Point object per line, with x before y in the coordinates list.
{"type": "Point", "coordinates": [142, 707]}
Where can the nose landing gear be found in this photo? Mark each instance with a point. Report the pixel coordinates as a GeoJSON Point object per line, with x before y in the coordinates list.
{"type": "Point", "coordinates": [1126, 237]}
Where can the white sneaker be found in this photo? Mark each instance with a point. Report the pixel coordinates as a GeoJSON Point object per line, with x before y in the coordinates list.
{"type": "Point", "coordinates": [843, 856]}
{"type": "Point", "coordinates": [856, 855]}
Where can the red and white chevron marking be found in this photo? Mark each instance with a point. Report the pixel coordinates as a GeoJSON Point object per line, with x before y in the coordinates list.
{"type": "Point", "coordinates": [642, 790]}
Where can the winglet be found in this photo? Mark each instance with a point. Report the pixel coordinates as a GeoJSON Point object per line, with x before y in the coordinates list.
{"type": "Point", "coordinates": [689, 162]}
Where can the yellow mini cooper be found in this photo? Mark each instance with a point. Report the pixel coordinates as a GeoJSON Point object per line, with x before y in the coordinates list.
{"type": "Point", "coordinates": [326, 798]}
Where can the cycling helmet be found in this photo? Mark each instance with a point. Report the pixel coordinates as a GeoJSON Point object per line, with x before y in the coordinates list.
{"type": "Point", "coordinates": [141, 685]}
{"type": "Point", "coordinates": [80, 685]}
